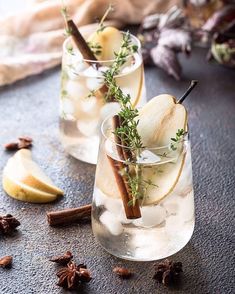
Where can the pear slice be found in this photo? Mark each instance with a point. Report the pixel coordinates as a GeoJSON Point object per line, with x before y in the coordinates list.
{"type": "Point", "coordinates": [110, 40]}
{"type": "Point", "coordinates": [131, 83]}
{"type": "Point", "coordinates": [23, 169]}
{"type": "Point", "coordinates": [159, 121]}
{"type": "Point", "coordinates": [22, 192]}
{"type": "Point", "coordinates": [105, 179]}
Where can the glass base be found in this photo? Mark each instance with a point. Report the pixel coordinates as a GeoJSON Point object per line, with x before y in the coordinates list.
{"type": "Point", "coordinates": [140, 244]}
{"type": "Point", "coordinates": [84, 148]}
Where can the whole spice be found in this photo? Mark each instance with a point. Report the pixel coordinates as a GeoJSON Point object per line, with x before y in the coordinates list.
{"type": "Point", "coordinates": [69, 215]}
{"type": "Point", "coordinates": [73, 275]}
{"type": "Point", "coordinates": [168, 272]}
{"type": "Point", "coordinates": [112, 92]}
{"type": "Point", "coordinates": [62, 259]}
{"type": "Point", "coordinates": [122, 272]}
{"type": "Point", "coordinates": [23, 142]}
{"type": "Point", "coordinates": [8, 224]}
{"type": "Point", "coordinates": [6, 261]}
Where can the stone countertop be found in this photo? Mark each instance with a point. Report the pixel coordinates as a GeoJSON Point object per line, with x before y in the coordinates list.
{"type": "Point", "coordinates": [30, 107]}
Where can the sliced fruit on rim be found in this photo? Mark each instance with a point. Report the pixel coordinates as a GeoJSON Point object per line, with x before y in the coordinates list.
{"type": "Point", "coordinates": [131, 83]}
{"type": "Point", "coordinates": [22, 168]}
{"type": "Point", "coordinates": [162, 180]}
{"type": "Point", "coordinates": [109, 40]}
{"type": "Point", "coordinates": [105, 179]}
{"type": "Point", "coordinates": [23, 192]}
{"type": "Point", "coordinates": [159, 121]}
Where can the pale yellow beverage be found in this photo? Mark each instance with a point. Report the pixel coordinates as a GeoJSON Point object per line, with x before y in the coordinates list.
{"type": "Point", "coordinates": [82, 102]}
{"type": "Point", "coordinates": [166, 201]}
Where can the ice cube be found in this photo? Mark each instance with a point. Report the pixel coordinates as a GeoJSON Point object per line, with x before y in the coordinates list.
{"type": "Point", "coordinates": [113, 205]}
{"type": "Point", "coordinates": [110, 108]}
{"type": "Point", "coordinates": [122, 217]}
{"type": "Point", "coordinates": [174, 224]}
{"type": "Point", "coordinates": [94, 84]}
{"type": "Point", "coordinates": [103, 69]}
{"type": "Point", "coordinates": [150, 243]}
{"type": "Point", "coordinates": [151, 216]}
{"type": "Point", "coordinates": [89, 105]}
{"type": "Point", "coordinates": [67, 109]}
{"type": "Point", "coordinates": [99, 197]}
{"type": "Point", "coordinates": [111, 223]}
{"type": "Point", "coordinates": [88, 127]}
{"type": "Point", "coordinates": [91, 72]}
{"type": "Point", "coordinates": [74, 69]}
{"type": "Point", "coordinates": [172, 203]}
{"type": "Point", "coordinates": [76, 89]}
{"type": "Point", "coordinates": [186, 211]}
{"type": "Point", "coordinates": [147, 156]}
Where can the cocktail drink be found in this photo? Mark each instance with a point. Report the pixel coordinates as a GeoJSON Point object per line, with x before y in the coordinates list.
{"type": "Point", "coordinates": [143, 202]}
{"type": "Point", "coordinates": [84, 99]}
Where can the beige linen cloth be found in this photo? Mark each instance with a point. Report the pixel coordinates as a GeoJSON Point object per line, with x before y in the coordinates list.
{"type": "Point", "coordinates": [31, 41]}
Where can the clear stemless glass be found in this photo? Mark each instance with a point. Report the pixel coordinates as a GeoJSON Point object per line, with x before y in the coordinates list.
{"type": "Point", "coordinates": [82, 104]}
{"type": "Point", "coordinates": [166, 204]}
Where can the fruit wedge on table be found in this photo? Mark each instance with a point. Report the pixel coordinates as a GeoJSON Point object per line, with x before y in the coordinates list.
{"type": "Point", "coordinates": [24, 180]}
{"type": "Point", "coordinates": [23, 192]}
{"type": "Point", "coordinates": [159, 121]}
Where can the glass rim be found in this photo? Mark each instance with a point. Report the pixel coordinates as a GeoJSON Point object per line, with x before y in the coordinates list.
{"type": "Point", "coordinates": [185, 138]}
{"type": "Point", "coordinates": [103, 61]}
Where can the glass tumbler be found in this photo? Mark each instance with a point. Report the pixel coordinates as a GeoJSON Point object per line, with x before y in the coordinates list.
{"type": "Point", "coordinates": [166, 200]}
{"type": "Point", "coordinates": [82, 102]}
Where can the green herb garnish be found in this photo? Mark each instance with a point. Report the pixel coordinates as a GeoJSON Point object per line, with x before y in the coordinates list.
{"type": "Point", "coordinates": [178, 138]}
{"type": "Point", "coordinates": [95, 48]}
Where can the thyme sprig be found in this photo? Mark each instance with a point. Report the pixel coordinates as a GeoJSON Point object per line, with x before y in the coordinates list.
{"type": "Point", "coordinates": [127, 132]}
{"type": "Point", "coordinates": [96, 48]}
{"type": "Point", "coordinates": [178, 138]}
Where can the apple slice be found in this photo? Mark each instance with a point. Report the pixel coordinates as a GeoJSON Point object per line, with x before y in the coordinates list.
{"type": "Point", "coordinates": [159, 121]}
{"type": "Point", "coordinates": [22, 192]}
{"type": "Point", "coordinates": [23, 169]}
{"type": "Point", "coordinates": [110, 40]}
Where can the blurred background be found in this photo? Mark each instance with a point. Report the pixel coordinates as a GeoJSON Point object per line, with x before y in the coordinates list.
{"type": "Point", "coordinates": [32, 31]}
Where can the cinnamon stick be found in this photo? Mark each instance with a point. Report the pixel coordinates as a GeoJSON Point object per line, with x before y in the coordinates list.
{"type": "Point", "coordinates": [131, 211]}
{"type": "Point", "coordinates": [80, 41]}
{"type": "Point", "coordinates": [69, 215]}
{"type": "Point", "coordinates": [86, 52]}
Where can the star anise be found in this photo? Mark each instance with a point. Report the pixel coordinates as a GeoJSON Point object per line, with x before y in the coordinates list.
{"type": "Point", "coordinates": [62, 259]}
{"type": "Point", "coordinates": [8, 224]}
{"type": "Point", "coordinates": [167, 272]}
{"type": "Point", "coordinates": [73, 275]}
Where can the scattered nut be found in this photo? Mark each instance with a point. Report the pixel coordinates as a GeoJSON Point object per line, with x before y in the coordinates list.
{"type": "Point", "coordinates": [6, 261]}
{"type": "Point", "coordinates": [23, 142]}
{"type": "Point", "coordinates": [122, 272]}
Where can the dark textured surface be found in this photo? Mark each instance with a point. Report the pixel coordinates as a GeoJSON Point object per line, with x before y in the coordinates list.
{"type": "Point", "coordinates": [31, 107]}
